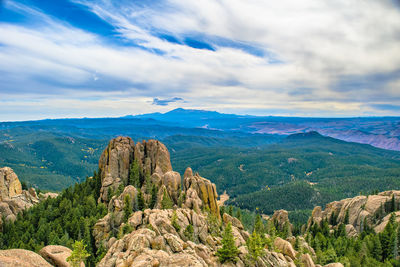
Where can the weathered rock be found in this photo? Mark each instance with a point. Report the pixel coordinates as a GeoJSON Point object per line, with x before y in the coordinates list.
{"type": "Point", "coordinates": [12, 198]}
{"type": "Point", "coordinates": [285, 247]}
{"type": "Point", "coordinates": [234, 221]}
{"type": "Point", "coordinates": [114, 164]}
{"type": "Point", "coordinates": [361, 210]}
{"type": "Point", "coordinates": [204, 189]}
{"type": "Point", "coordinates": [21, 257]}
{"type": "Point", "coordinates": [57, 255]}
{"type": "Point", "coordinates": [281, 220]}
{"type": "Point", "coordinates": [153, 157]}
{"type": "Point", "coordinates": [9, 184]}
{"type": "Point", "coordinates": [307, 261]}
{"type": "Point", "coordinates": [172, 182]}
{"type": "Point", "coordinates": [336, 264]}
{"type": "Point", "coordinates": [351, 231]}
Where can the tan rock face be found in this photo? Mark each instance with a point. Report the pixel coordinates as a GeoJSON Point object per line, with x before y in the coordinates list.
{"type": "Point", "coordinates": [285, 247]}
{"type": "Point", "coordinates": [12, 198]}
{"type": "Point", "coordinates": [114, 164]}
{"type": "Point", "coordinates": [10, 185]}
{"type": "Point", "coordinates": [115, 161]}
{"type": "Point", "coordinates": [370, 210]}
{"type": "Point", "coordinates": [153, 157]}
{"type": "Point", "coordinates": [57, 255]}
{"type": "Point", "coordinates": [21, 257]}
{"type": "Point", "coordinates": [281, 218]}
{"type": "Point", "coordinates": [203, 189]}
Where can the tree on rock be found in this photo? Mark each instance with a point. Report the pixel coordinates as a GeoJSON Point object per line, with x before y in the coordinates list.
{"type": "Point", "coordinates": [78, 254]}
{"type": "Point", "coordinates": [127, 207]}
{"type": "Point", "coordinates": [255, 246]}
{"type": "Point", "coordinates": [134, 174]}
{"type": "Point", "coordinates": [166, 202]}
{"type": "Point", "coordinates": [228, 252]}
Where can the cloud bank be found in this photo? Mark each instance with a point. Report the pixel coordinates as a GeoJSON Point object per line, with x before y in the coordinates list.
{"type": "Point", "coordinates": [109, 58]}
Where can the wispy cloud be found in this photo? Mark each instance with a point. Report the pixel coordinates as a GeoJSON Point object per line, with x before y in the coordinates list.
{"type": "Point", "coordinates": [311, 58]}
{"type": "Point", "coordinates": [166, 102]}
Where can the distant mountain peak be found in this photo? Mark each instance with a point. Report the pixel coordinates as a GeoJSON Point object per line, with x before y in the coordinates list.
{"type": "Point", "coordinates": [310, 134]}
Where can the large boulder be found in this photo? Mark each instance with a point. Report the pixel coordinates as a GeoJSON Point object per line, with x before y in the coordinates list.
{"type": "Point", "coordinates": [10, 185]}
{"type": "Point", "coordinates": [22, 258]}
{"type": "Point", "coordinates": [12, 198]}
{"type": "Point", "coordinates": [285, 247]}
{"type": "Point", "coordinates": [57, 255]}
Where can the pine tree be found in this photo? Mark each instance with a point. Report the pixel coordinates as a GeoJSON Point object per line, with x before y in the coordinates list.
{"type": "Point", "coordinates": [174, 221]}
{"type": "Point", "coordinates": [346, 217]}
{"type": "Point", "coordinates": [238, 214]}
{"type": "Point", "coordinates": [166, 202]}
{"type": "Point", "coordinates": [255, 246]}
{"type": "Point", "coordinates": [258, 225]}
{"type": "Point", "coordinates": [228, 252]}
{"type": "Point", "coordinates": [153, 199]}
{"type": "Point", "coordinates": [140, 200]}
{"type": "Point", "coordinates": [134, 174]}
{"type": "Point", "coordinates": [189, 232]}
{"type": "Point", "coordinates": [230, 210]}
{"type": "Point", "coordinates": [127, 207]}
{"type": "Point", "coordinates": [78, 254]}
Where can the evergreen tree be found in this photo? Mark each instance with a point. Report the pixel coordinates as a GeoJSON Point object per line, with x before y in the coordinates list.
{"type": "Point", "coordinates": [78, 254]}
{"type": "Point", "coordinates": [166, 202]}
{"type": "Point", "coordinates": [134, 174]}
{"type": "Point", "coordinates": [230, 210]}
{"type": "Point", "coordinates": [346, 217]}
{"type": "Point", "coordinates": [127, 207]}
{"type": "Point", "coordinates": [140, 200]}
{"type": "Point", "coordinates": [255, 246]}
{"type": "Point", "coordinates": [228, 252]}
{"type": "Point", "coordinates": [258, 225]}
{"type": "Point", "coordinates": [174, 221]}
{"type": "Point", "coordinates": [238, 214]}
{"type": "Point", "coordinates": [189, 232]}
{"type": "Point", "coordinates": [153, 199]}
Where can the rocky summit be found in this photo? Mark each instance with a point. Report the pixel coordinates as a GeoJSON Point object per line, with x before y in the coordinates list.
{"type": "Point", "coordinates": [357, 213]}
{"type": "Point", "coordinates": [183, 225]}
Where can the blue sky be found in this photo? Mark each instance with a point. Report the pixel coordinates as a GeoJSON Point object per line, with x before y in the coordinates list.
{"type": "Point", "coordinates": [82, 58]}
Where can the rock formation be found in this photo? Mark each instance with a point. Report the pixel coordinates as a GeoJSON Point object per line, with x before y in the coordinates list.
{"type": "Point", "coordinates": [187, 233]}
{"type": "Point", "coordinates": [57, 255]}
{"type": "Point", "coordinates": [372, 211]}
{"type": "Point", "coordinates": [21, 257]}
{"type": "Point", "coordinates": [114, 164]}
{"type": "Point", "coordinates": [12, 198]}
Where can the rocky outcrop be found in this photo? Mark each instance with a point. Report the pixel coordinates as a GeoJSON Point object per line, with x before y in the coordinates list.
{"type": "Point", "coordinates": [187, 233]}
{"type": "Point", "coordinates": [280, 218]}
{"type": "Point", "coordinates": [12, 198]}
{"type": "Point", "coordinates": [152, 157]}
{"type": "Point", "coordinates": [360, 211]}
{"type": "Point", "coordinates": [200, 193]}
{"type": "Point", "coordinates": [114, 164]}
{"type": "Point", "coordinates": [21, 257]}
{"type": "Point", "coordinates": [57, 255]}
{"type": "Point", "coordinates": [155, 242]}
{"type": "Point", "coordinates": [10, 185]}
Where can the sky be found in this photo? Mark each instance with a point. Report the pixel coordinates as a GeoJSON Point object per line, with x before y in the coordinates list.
{"type": "Point", "coordinates": [104, 58]}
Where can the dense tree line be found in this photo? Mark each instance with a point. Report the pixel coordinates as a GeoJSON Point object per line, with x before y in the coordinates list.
{"type": "Point", "coordinates": [59, 221]}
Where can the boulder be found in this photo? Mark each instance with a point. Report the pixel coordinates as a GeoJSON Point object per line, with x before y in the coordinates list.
{"type": "Point", "coordinates": [57, 255]}
{"type": "Point", "coordinates": [307, 261]}
{"type": "Point", "coordinates": [285, 247]}
{"type": "Point", "coordinates": [21, 257]}
{"type": "Point", "coordinates": [336, 264]}
{"type": "Point", "coordinates": [10, 185]}
{"type": "Point", "coordinates": [281, 219]}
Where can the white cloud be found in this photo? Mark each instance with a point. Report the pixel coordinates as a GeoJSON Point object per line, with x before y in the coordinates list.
{"type": "Point", "coordinates": [318, 43]}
